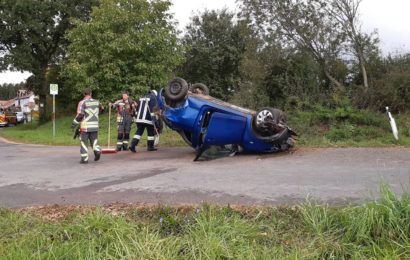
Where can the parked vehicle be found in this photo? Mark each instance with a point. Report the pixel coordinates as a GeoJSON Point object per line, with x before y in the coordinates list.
{"type": "Point", "coordinates": [3, 121]}
{"type": "Point", "coordinates": [11, 118]}
{"type": "Point", "coordinates": [8, 118]}
{"type": "Point", "coordinates": [204, 121]}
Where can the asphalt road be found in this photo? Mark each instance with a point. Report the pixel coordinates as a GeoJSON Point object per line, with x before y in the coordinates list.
{"type": "Point", "coordinates": [38, 175]}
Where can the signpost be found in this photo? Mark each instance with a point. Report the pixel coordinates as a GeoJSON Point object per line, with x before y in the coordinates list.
{"type": "Point", "coordinates": [54, 92]}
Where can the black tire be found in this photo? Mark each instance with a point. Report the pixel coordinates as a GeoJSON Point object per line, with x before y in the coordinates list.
{"type": "Point", "coordinates": [266, 117]}
{"type": "Point", "coordinates": [199, 88]}
{"type": "Point", "coordinates": [176, 89]}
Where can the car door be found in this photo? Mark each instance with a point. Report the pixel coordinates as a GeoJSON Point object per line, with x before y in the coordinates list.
{"type": "Point", "coordinates": [224, 128]}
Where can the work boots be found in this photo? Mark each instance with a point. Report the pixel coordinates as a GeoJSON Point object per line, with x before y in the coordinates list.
{"type": "Point", "coordinates": [120, 142]}
{"type": "Point", "coordinates": [134, 144]}
{"type": "Point", "coordinates": [83, 161]}
{"type": "Point", "coordinates": [97, 155]}
{"type": "Point", "coordinates": [151, 146]}
{"type": "Point", "coordinates": [125, 142]}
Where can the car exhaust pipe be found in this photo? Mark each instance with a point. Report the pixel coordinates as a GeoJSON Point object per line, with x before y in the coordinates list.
{"type": "Point", "coordinates": [393, 124]}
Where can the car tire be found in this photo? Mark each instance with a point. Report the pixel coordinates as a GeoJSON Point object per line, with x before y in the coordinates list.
{"type": "Point", "coordinates": [261, 131]}
{"type": "Point", "coordinates": [199, 88]}
{"type": "Point", "coordinates": [176, 90]}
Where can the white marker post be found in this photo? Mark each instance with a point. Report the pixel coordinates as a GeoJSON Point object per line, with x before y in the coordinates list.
{"type": "Point", "coordinates": [392, 124]}
{"type": "Point", "coordinates": [54, 92]}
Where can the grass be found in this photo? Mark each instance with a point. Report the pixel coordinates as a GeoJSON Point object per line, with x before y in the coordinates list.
{"type": "Point", "coordinates": [317, 127]}
{"type": "Point", "coordinates": [378, 229]}
{"type": "Point", "coordinates": [322, 127]}
{"type": "Point", "coordinates": [43, 134]}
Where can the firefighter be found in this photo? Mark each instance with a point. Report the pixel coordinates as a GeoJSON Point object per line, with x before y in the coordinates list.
{"type": "Point", "coordinates": [145, 118]}
{"type": "Point", "coordinates": [87, 118]}
{"type": "Point", "coordinates": [126, 108]}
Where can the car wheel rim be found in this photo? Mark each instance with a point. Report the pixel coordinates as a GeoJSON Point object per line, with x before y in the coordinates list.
{"type": "Point", "coordinates": [175, 88]}
{"type": "Point", "coordinates": [262, 115]}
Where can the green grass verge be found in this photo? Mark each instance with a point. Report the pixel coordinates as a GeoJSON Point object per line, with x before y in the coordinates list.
{"type": "Point", "coordinates": [43, 134]}
{"type": "Point", "coordinates": [318, 127]}
{"type": "Point", "coordinates": [376, 230]}
{"type": "Point", "coordinates": [347, 127]}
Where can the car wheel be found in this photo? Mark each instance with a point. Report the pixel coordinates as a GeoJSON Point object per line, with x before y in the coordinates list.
{"type": "Point", "coordinates": [176, 89]}
{"type": "Point", "coordinates": [199, 88]}
{"type": "Point", "coordinates": [265, 121]}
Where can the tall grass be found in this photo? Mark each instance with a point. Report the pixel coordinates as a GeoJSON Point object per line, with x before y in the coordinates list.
{"type": "Point", "coordinates": [377, 229]}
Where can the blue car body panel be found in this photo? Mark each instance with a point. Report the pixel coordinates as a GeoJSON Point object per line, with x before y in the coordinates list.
{"type": "Point", "coordinates": [225, 129]}
{"type": "Point", "coordinates": [226, 123]}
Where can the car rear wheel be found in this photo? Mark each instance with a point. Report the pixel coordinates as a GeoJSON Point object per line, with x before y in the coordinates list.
{"type": "Point", "coordinates": [199, 88]}
{"type": "Point", "coordinates": [266, 120]}
{"type": "Point", "coordinates": [176, 89]}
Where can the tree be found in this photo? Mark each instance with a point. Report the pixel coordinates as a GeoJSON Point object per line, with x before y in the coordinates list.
{"type": "Point", "coordinates": [128, 44]}
{"type": "Point", "coordinates": [32, 36]}
{"type": "Point", "coordinates": [215, 46]}
{"type": "Point", "coordinates": [346, 13]}
{"type": "Point", "coordinates": [301, 24]}
{"type": "Point", "coordinates": [9, 91]}
{"type": "Point", "coordinates": [391, 84]}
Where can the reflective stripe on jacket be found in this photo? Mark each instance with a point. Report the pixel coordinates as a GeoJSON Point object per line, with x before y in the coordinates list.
{"type": "Point", "coordinates": [146, 108]}
{"type": "Point", "coordinates": [90, 108]}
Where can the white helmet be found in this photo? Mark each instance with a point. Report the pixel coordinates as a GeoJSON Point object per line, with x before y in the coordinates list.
{"type": "Point", "coordinates": [155, 92]}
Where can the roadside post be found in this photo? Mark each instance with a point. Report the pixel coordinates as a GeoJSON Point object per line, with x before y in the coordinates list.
{"type": "Point", "coordinates": [54, 92]}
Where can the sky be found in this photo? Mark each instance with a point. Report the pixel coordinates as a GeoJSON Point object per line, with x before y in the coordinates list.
{"type": "Point", "coordinates": [390, 18]}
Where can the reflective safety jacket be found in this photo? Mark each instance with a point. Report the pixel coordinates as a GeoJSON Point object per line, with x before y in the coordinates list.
{"type": "Point", "coordinates": [146, 106]}
{"type": "Point", "coordinates": [126, 108]}
{"type": "Point", "coordinates": [87, 114]}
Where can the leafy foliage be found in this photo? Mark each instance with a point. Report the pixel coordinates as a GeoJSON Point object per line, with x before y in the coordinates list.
{"type": "Point", "coordinates": [392, 85]}
{"type": "Point", "coordinates": [128, 44]}
{"type": "Point", "coordinates": [8, 91]}
{"type": "Point", "coordinates": [215, 47]}
{"type": "Point", "coordinates": [302, 25]}
{"type": "Point", "coordinates": [32, 35]}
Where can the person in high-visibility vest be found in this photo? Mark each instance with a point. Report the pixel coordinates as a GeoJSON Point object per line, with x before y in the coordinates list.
{"type": "Point", "coordinates": [87, 117]}
{"type": "Point", "coordinates": [126, 110]}
{"type": "Point", "coordinates": [145, 118]}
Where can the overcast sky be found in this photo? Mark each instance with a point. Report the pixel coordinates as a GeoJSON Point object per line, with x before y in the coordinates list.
{"type": "Point", "coordinates": [390, 18]}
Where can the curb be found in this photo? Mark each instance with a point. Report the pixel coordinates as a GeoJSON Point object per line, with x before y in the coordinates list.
{"type": "Point", "coordinates": [4, 140]}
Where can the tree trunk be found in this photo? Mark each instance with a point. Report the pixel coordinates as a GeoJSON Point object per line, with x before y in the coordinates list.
{"type": "Point", "coordinates": [363, 69]}
{"type": "Point", "coordinates": [43, 95]}
{"type": "Point", "coordinates": [332, 79]}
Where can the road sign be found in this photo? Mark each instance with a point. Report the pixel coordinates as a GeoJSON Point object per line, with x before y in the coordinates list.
{"type": "Point", "coordinates": [54, 92]}
{"type": "Point", "coordinates": [53, 89]}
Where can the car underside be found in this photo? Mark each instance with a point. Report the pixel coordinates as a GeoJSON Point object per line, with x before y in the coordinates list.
{"type": "Point", "coordinates": [204, 121]}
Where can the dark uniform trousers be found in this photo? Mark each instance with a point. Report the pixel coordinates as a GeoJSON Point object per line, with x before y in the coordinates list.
{"type": "Point", "coordinates": [124, 129]}
{"type": "Point", "coordinates": [87, 116]}
{"type": "Point", "coordinates": [144, 119]}
{"type": "Point", "coordinates": [91, 137]}
{"type": "Point", "coordinates": [140, 131]}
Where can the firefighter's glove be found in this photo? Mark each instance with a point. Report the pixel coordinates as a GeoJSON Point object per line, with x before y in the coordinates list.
{"type": "Point", "coordinates": [74, 124]}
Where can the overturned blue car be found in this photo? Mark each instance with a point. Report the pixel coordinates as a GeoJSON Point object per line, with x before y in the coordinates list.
{"type": "Point", "coordinates": [204, 121]}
